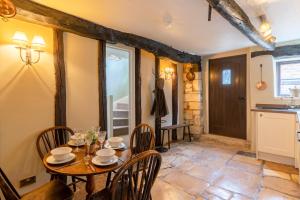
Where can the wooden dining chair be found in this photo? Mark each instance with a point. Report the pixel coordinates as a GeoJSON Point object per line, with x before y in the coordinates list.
{"type": "Point", "coordinates": [142, 139]}
{"type": "Point", "coordinates": [129, 184]}
{"type": "Point", "coordinates": [55, 190]}
{"type": "Point", "coordinates": [52, 138]}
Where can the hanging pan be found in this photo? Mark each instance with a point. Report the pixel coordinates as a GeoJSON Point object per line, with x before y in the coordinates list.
{"type": "Point", "coordinates": [261, 85]}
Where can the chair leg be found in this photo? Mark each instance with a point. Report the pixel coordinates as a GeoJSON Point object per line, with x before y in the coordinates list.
{"type": "Point", "coordinates": [189, 130]}
{"type": "Point", "coordinates": [169, 139]}
{"type": "Point", "coordinates": [183, 133]}
{"type": "Point", "coordinates": [74, 183]}
{"type": "Point", "coordinates": [108, 179]}
{"type": "Point", "coordinates": [162, 140]}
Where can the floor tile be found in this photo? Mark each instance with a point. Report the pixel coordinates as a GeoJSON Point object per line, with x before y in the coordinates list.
{"type": "Point", "coordinates": [219, 192]}
{"type": "Point", "coordinates": [256, 169]}
{"type": "Point", "coordinates": [164, 191]}
{"type": "Point", "coordinates": [247, 159]}
{"type": "Point", "coordinates": [205, 173]}
{"type": "Point", "coordinates": [239, 182]}
{"type": "Point", "coordinates": [268, 194]}
{"type": "Point", "coordinates": [278, 174]}
{"type": "Point", "coordinates": [295, 178]}
{"type": "Point", "coordinates": [280, 167]}
{"type": "Point", "coordinates": [241, 197]}
{"type": "Point", "coordinates": [188, 183]}
{"type": "Point", "coordinates": [282, 185]}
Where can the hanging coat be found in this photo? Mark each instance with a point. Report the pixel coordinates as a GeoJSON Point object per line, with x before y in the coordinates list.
{"type": "Point", "coordinates": [162, 103]}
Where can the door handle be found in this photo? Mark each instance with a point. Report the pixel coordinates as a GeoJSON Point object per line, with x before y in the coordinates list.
{"type": "Point", "coordinates": [242, 98]}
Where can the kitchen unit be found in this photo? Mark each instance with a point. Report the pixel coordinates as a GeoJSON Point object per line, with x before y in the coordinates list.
{"type": "Point", "coordinates": [276, 135]}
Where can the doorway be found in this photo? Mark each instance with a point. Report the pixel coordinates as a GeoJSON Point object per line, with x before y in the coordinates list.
{"type": "Point", "coordinates": [120, 90]}
{"type": "Point", "coordinates": [227, 96]}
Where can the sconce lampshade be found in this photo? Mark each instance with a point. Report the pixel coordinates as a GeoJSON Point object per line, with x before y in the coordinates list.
{"type": "Point", "coordinates": [20, 38]}
{"type": "Point", "coordinates": [38, 42]}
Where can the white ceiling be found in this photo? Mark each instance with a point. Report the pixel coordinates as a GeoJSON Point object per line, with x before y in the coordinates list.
{"type": "Point", "coordinates": [183, 23]}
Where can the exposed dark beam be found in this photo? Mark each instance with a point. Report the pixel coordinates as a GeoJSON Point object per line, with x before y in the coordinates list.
{"type": "Point", "coordinates": [157, 118]}
{"type": "Point", "coordinates": [289, 50]}
{"type": "Point", "coordinates": [174, 102]}
{"type": "Point", "coordinates": [234, 14]}
{"type": "Point", "coordinates": [60, 79]}
{"type": "Point", "coordinates": [138, 82]}
{"type": "Point", "coordinates": [102, 85]}
{"type": "Point", "coordinates": [37, 13]}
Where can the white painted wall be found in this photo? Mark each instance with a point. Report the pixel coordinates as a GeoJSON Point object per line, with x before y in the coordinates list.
{"type": "Point", "coordinates": [26, 104]}
{"type": "Point", "coordinates": [81, 81]}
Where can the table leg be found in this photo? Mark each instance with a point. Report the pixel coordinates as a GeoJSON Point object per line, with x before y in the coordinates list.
{"type": "Point", "coordinates": [183, 133]}
{"type": "Point", "coordinates": [90, 186]}
{"type": "Point", "coordinates": [169, 139]}
{"type": "Point", "coordinates": [162, 140]}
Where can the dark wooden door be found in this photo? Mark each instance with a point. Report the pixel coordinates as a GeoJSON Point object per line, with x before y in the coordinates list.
{"type": "Point", "coordinates": [227, 96]}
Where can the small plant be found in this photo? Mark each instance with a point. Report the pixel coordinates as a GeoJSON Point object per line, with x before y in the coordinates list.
{"type": "Point", "coordinates": [92, 136]}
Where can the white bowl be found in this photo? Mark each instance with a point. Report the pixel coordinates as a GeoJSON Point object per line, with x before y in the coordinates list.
{"type": "Point", "coordinates": [105, 155]}
{"type": "Point", "coordinates": [78, 139]}
{"type": "Point", "coordinates": [115, 141]}
{"type": "Point", "coordinates": [61, 153]}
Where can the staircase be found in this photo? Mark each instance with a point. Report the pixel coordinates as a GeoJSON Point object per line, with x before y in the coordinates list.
{"type": "Point", "coordinates": [120, 118]}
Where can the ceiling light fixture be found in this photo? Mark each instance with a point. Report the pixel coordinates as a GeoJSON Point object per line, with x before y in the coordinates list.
{"type": "Point", "coordinates": [265, 29]}
{"type": "Point", "coordinates": [7, 9]}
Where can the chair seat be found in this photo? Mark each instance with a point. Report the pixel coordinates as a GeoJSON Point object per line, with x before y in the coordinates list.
{"type": "Point", "coordinates": [54, 190]}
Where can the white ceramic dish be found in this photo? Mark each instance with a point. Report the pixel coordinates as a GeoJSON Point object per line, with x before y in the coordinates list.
{"type": "Point", "coordinates": [73, 143]}
{"type": "Point", "coordinates": [105, 155]}
{"type": "Point", "coordinates": [51, 159]}
{"type": "Point", "coordinates": [115, 141]}
{"type": "Point", "coordinates": [61, 153]}
{"type": "Point", "coordinates": [121, 146]}
{"type": "Point", "coordinates": [98, 162]}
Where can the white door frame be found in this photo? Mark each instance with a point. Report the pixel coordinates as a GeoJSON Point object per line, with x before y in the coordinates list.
{"type": "Point", "coordinates": [131, 109]}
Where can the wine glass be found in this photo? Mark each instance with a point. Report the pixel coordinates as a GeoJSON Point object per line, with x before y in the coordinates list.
{"type": "Point", "coordinates": [77, 139]}
{"type": "Point", "coordinates": [101, 138]}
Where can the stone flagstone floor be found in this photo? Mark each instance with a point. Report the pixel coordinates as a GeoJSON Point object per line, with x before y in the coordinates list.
{"type": "Point", "coordinates": [209, 169]}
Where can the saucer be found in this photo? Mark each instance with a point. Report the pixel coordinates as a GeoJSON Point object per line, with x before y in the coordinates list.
{"type": "Point", "coordinates": [97, 162]}
{"type": "Point", "coordinates": [121, 146]}
{"type": "Point", "coordinates": [52, 161]}
{"type": "Point", "coordinates": [73, 144]}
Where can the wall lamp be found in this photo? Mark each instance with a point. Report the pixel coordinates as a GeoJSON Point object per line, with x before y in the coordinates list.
{"type": "Point", "coordinates": [169, 73]}
{"type": "Point", "coordinates": [36, 46]}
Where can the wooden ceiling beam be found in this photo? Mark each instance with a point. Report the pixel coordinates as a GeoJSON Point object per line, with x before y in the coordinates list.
{"type": "Point", "coordinates": [234, 14]}
{"type": "Point", "coordinates": [288, 50]}
{"type": "Point", "coordinates": [43, 15]}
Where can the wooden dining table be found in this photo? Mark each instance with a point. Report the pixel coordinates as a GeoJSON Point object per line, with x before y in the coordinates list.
{"type": "Point", "coordinates": [80, 169]}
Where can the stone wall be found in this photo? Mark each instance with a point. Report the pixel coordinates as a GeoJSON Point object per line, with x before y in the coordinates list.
{"type": "Point", "coordinates": [193, 102]}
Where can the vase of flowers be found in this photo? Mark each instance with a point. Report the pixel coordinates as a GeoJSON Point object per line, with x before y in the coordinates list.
{"type": "Point", "coordinates": [91, 139]}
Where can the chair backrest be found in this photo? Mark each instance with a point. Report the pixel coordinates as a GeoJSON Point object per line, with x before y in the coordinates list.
{"type": "Point", "coordinates": [52, 138]}
{"type": "Point", "coordinates": [142, 139]}
{"type": "Point", "coordinates": [136, 177]}
{"type": "Point", "coordinates": [8, 190]}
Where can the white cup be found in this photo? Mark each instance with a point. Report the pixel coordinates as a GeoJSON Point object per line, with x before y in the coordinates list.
{"type": "Point", "coordinates": [105, 155]}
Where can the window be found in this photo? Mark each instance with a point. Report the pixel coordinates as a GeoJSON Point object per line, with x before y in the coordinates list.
{"type": "Point", "coordinates": [288, 76]}
{"type": "Point", "coordinates": [226, 77]}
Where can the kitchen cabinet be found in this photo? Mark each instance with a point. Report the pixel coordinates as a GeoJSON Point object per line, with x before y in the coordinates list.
{"type": "Point", "coordinates": [276, 133]}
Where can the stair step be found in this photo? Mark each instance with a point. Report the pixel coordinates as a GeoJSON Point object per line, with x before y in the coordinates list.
{"type": "Point", "coordinates": [120, 130]}
{"type": "Point", "coordinates": [120, 121]}
{"type": "Point", "coordinates": [123, 106]}
{"type": "Point", "coordinates": [120, 113]}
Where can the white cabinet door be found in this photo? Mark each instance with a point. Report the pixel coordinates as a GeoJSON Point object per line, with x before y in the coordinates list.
{"type": "Point", "coordinates": [276, 133]}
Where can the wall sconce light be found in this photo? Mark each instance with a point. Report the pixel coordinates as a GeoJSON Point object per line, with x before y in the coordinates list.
{"type": "Point", "coordinates": [169, 73]}
{"type": "Point", "coordinates": [37, 44]}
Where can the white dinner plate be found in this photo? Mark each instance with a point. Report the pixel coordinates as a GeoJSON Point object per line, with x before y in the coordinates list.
{"type": "Point", "coordinates": [97, 161]}
{"type": "Point", "coordinates": [121, 146]}
{"type": "Point", "coordinates": [52, 161]}
{"type": "Point", "coordinates": [73, 144]}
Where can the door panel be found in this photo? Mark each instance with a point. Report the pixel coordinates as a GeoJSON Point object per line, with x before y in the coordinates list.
{"type": "Point", "coordinates": [227, 96]}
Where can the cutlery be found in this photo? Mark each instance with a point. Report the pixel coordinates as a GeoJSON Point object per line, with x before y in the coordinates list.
{"type": "Point", "coordinates": [70, 164]}
{"type": "Point", "coordinates": [92, 168]}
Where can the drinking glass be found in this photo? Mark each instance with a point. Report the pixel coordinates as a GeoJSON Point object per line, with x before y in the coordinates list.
{"type": "Point", "coordinates": [78, 138]}
{"type": "Point", "coordinates": [101, 138]}
{"type": "Point", "coordinates": [88, 140]}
